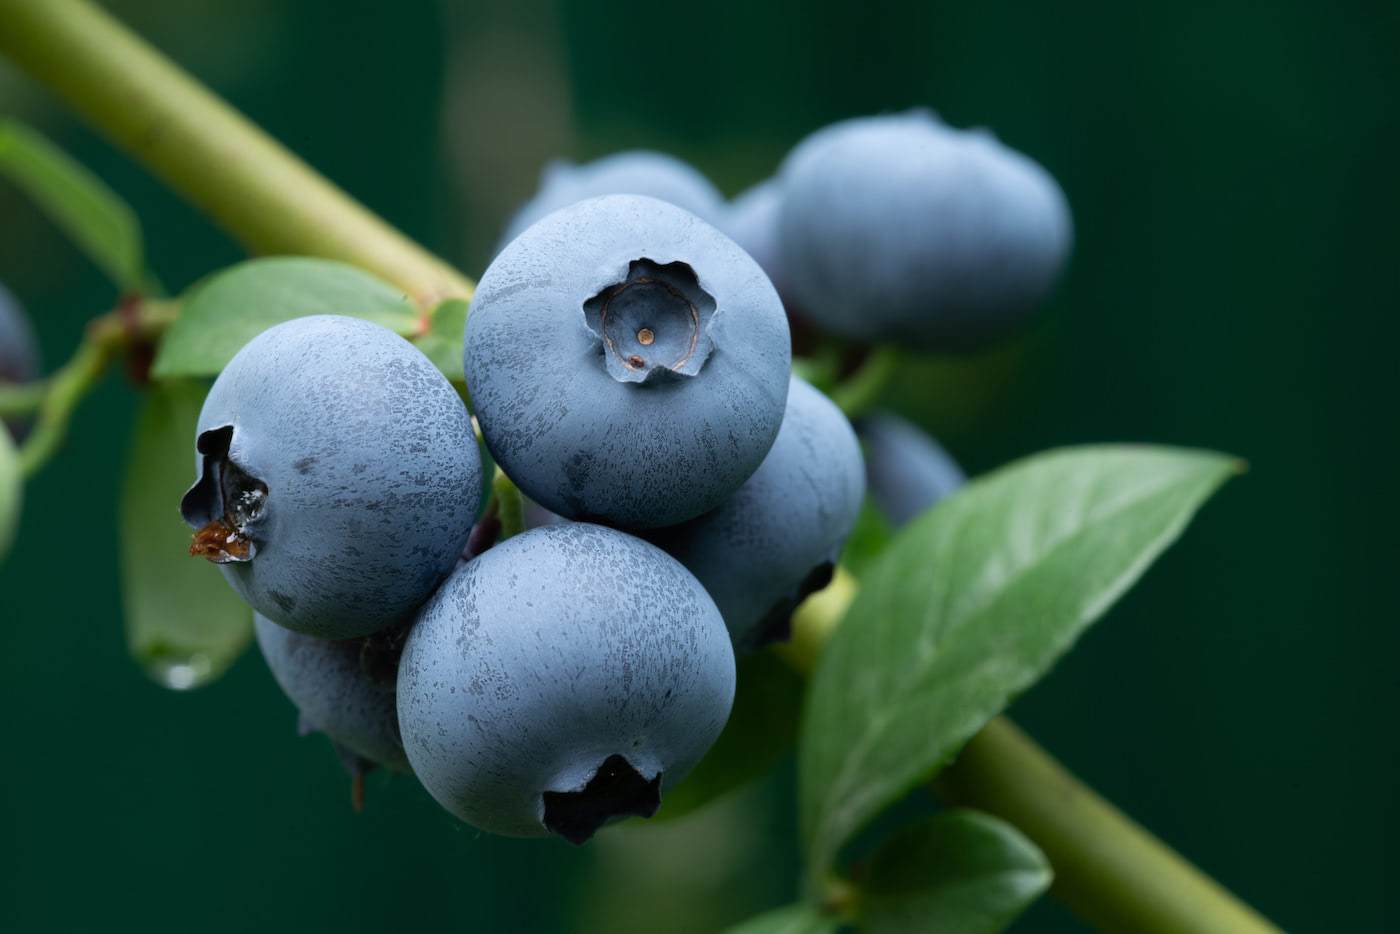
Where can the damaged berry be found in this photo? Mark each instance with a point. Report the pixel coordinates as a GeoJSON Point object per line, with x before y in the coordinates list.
{"type": "Point", "coordinates": [339, 476]}
{"type": "Point", "coordinates": [565, 678]}
{"type": "Point", "coordinates": [627, 362]}
{"type": "Point", "coordinates": [776, 540]}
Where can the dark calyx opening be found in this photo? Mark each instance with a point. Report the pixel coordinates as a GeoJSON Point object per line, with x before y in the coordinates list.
{"type": "Point", "coordinates": [379, 655]}
{"type": "Point", "coordinates": [776, 625]}
{"type": "Point", "coordinates": [615, 790]}
{"type": "Point", "coordinates": [654, 324]}
{"type": "Point", "coordinates": [222, 501]}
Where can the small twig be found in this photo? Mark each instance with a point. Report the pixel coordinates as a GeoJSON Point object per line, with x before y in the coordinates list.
{"type": "Point", "coordinates": [859, 391]}
{"type": "Point", "coordinates": [135, 321]}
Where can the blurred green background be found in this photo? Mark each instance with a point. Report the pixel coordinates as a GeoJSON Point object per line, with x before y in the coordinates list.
{"type": "Point", "coordinates": [1231, 168]}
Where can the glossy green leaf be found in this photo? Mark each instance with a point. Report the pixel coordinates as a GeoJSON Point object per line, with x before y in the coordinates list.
{"type": "Point", "coordinates": [761, 731]}
{"type": "Point", "coordinates": [11, 491]}
{"type": "Point", "coordinates": [790, 919]}
{"type": "Point", "coordinates": [99, 221]}
{"type": "Point", "coordinates": [963, 872]}
{"type": "Point", "coordinates": [184, 624]}
{"type": "Point", "coordinates": [970, 605]}
{"type": "Point", "coordinates": [443, 342]}
{"type": "Point", "coordinates": [223, 313]}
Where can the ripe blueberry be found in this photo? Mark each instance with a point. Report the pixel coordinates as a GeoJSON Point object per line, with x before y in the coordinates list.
{"type": "Point", "coordinates": [627, 362]}
{"type": "Point", "coordinates": [637, 172]}
{"type": "Point", "coordinates": [776, 539]}
{"type": "Point", "coordinates": [328, 683]}
{"type": "Point", "coordinates": [907, 470]}
{"type": "Point", "coordinates": [568, 676]}
{"type": "Point", "coordinates": [19, 352]}
{"type": "Point", "coordinates": [900, 228]}
{"type": "Point", "coordinates": [751, 220]}
{"type": "Point", "coordinates": [338, 476]}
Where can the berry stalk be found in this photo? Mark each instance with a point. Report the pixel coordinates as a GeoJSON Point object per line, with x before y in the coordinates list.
{"type": "Point", "coordinates": [1109, 870]}
{"type": "Point", "coordinates": [247, 182]}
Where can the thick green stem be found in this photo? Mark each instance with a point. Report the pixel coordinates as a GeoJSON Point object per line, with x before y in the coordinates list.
{"type": "Point", "coordinates": [1108, 869]}
{"type": "Point", "coordinates": [247, 182]}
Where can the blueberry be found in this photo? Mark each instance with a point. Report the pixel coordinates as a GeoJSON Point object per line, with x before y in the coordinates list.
{"type": "Point", "coordinates": [907, 470]}
{"type": "Point", "coordinates": [776, 540]}
{"type": "Point", "coordinates": [568, 676]}
{"type": "Point", "coordinates": [338, 476]}
{"type": "Point", "coordinates": [900, 228]}
{"type": "Point", "coordinates": [627, 362]}
{"type": "Point", "coordinates": [637, 172]}
{"type": "Point", "coordinates": [331, 688]}
{"type": "Point", "coordinates": [19, 352]}
{"type": "Point", "coordinates": [751, 220]}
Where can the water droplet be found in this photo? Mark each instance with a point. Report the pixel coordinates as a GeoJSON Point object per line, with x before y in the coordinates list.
{"type": "Point", "coordinates": [181, 674]}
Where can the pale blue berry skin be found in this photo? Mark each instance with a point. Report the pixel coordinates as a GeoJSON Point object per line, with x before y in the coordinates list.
{"type": "Point", "coordinates": [19, 353]}
{"type": "Point", "coordinates": [755, 550]}
{"type": "Point", "coordinates": [751, 220]}
{"type": "Point", "coordinates": [582, 431]}
{"type": "Point", "coordinates": [326, 682]}
{"type": "Point", "coordinates": [546, 655]}
{"type": "Point", "coordinates": [634, 172]}
{"type": "Point", "coordinates": [372, 472]}
{"type": "Point", "coordinates": [908, 471]}
{"type": "Point", "coordinates": [901, 228]}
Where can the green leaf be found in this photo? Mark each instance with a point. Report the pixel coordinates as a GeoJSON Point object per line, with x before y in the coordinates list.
{"type": "Point", "coordinates": [791, 919]}
{"type": "Point", "coordinates": [11, 491]}
{"type": "Point", "coordinates": [760, 733]}
{"type": "Point", "coordinates": [184, 624]}
{"type": "Point", "coordinates": [223, 313]}
{"type": "Point", "coordinates": [443, 342]}
{"type": "Point", "coordinates": [958, 871]}
{"type": "Point", "coordinates": [99, 221]}
{"type": "Point", "coordinates": [970, 605]}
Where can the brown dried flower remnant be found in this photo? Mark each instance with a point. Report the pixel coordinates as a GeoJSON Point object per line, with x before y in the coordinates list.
{"type": "Point", "coordinates": [221, 543]}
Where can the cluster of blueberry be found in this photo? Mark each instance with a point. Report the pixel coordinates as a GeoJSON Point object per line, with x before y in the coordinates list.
{"type": "Point", "coordinates": [629, 366]}
{"type": "Point", "coordinates": [892, 228]}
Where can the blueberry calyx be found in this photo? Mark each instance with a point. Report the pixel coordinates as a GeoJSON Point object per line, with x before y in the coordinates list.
{"type": "Point", "coordinates": [222, 503]}
{"type": "Point", "coordinates": [654, 324]}
{"type": "Point", "coordinates": [615, 790]}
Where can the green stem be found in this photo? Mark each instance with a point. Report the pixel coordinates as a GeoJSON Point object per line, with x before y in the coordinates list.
{"type": "Point", "coordinates": [247, 182]}
{"type": "Point", "coordinates": [1108, 869]}
{"type": "Point", "coordinates": [56, 398]}
{"type": "Point", "coordinates": [65, 389]}
{"type": "Point", "coordinates": [21, 398]}
{"type": "Point", "coordinates": [510, 504]}
{"type": "Point", "coordinates": [859, 391]}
